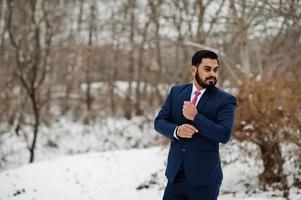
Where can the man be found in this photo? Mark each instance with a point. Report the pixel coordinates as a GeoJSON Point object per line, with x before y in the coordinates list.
{"type": "Point", "coordinates": [196, 117]}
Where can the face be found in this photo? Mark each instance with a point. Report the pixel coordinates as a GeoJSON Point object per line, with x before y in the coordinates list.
{"type": "Point", "coordinates": [206, 74]}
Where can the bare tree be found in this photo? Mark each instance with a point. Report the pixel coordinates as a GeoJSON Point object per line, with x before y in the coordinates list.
{"type": "Point", "coordinates": [140, 68]}
{"type": "Point", "coordinates": [130, 9]}
{"type": "Point", "coordinates": [91, 32]}
{"type": "Point", "coordinates": [155, 15]}
{"type": "Point", "coordinates": [113, 71]}
{"type": "Point", "coordinates": [31, 43]}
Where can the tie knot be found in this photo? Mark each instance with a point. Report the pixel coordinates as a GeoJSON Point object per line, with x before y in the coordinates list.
{"type": "Point", "coordinates": [197, 93]}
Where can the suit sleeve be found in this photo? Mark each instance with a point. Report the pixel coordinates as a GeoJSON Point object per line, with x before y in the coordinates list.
{"type": "Point", "coordinates": [220, 129]}
{"type": "Point", "coordinates": [163, 122]}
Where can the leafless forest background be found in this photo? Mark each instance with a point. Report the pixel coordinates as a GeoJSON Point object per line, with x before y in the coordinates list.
{"type": "Point", "coordinates": [60, 57]}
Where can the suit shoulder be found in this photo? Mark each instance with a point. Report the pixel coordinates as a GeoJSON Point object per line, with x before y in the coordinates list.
{"type": "Point", "coordinates": [180, 87]}
{"type": "Point", "coordinates": [225, 95]}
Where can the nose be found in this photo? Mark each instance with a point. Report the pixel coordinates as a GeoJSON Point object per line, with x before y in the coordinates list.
{"type": "Point", "coordinates": [212, 73]}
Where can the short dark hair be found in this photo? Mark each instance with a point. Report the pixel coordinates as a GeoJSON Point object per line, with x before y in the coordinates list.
{"type": "Point", "coordinates": [199, 55]}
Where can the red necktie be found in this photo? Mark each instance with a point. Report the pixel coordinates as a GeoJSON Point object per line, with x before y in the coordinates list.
{"type": "Point", "coordinates": [195, 98]}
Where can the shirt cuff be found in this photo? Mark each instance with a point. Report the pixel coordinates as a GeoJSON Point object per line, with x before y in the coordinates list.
{"type": "Point", "coordinates": [175, 132]}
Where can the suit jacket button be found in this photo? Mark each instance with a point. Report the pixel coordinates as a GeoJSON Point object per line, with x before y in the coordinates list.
{"type": "Point", "coordinates": [183, 150]}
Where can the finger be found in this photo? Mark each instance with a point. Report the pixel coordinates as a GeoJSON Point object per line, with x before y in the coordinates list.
{"type": "Point", "coordinates": [187, 132]}
{"type": "Point", "coordinates": [188, 103]}
{"type": "Point", "coordinates": [184, 134]}
{"type": "Point", "coordinates": [187, 110]}
{"type": "Point", "coordinates": [191, 127]}
{"type": "Point", "coordinates": [187, 107]}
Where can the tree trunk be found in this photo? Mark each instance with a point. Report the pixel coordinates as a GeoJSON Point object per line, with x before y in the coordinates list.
{"type": "Point", "coordinates": [90, 53]}
{"type": "Point", "coordinates": [273, 166]}
{"type": "Point", "coordinates": [88, 92]}
{"type": "Point", "coordinates": [36, 112]}
{"type": "Point", "coordinates": [138, 110]}
{"type": "Point", "coordinates": [131, 66]}
{"type": "Point", "coordinates": [113, 75]}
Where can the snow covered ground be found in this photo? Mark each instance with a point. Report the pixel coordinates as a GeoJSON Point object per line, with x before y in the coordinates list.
{"type": "Point", "coordinates": [115, 159]}
{"type": "Point", "coordinates": [107, 175]}
{"type": "Point", "coordinates": [113, 175]}
{"type": "Point", "coordinates": [67, 137]}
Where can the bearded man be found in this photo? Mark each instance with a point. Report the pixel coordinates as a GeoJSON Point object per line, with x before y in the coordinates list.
{"type": "Point", "coordinates": [196, 117]}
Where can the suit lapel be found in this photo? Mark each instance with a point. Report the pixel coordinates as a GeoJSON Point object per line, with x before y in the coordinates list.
{"type": "Point", "coordinates": [202, 101]}
{"type": "Point", "coordinates": [185, 95]}
{"type": "Point", "coordinates": [204, 98]}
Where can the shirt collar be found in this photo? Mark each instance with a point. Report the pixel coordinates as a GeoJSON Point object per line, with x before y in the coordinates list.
{"type": "Point", "coordinates": [195, 89]}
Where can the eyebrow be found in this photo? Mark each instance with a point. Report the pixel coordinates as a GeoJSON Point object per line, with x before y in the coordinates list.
{"type": "Point", "coordinates": [211, 67]}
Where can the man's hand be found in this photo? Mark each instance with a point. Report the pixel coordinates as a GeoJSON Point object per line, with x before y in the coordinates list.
{"type": "Point", "coordinates": [189, 110]}
{"type": "Point", "coordinates": [186, 131]}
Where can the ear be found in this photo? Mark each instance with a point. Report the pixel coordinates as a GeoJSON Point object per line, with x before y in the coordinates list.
{"type": "Point", "coordinates": [193, 70]}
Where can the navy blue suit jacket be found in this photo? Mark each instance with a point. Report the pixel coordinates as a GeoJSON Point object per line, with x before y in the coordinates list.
{"type": "Point", "coordinates": [199, 154]}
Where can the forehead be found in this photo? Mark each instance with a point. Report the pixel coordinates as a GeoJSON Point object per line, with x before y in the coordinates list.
{"type": "Point", "coordinates": [209, 62]}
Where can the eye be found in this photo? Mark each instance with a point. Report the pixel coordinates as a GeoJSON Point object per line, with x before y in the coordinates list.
{"type": "Point", "coordinates": [207, 69]}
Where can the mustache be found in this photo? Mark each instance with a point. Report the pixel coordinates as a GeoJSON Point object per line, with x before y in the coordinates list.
{"type": "Point", "coordinates": [211, 77]}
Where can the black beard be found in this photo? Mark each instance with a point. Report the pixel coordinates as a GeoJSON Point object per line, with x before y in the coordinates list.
{"type": "Point", "coordinates": [203, 83]}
